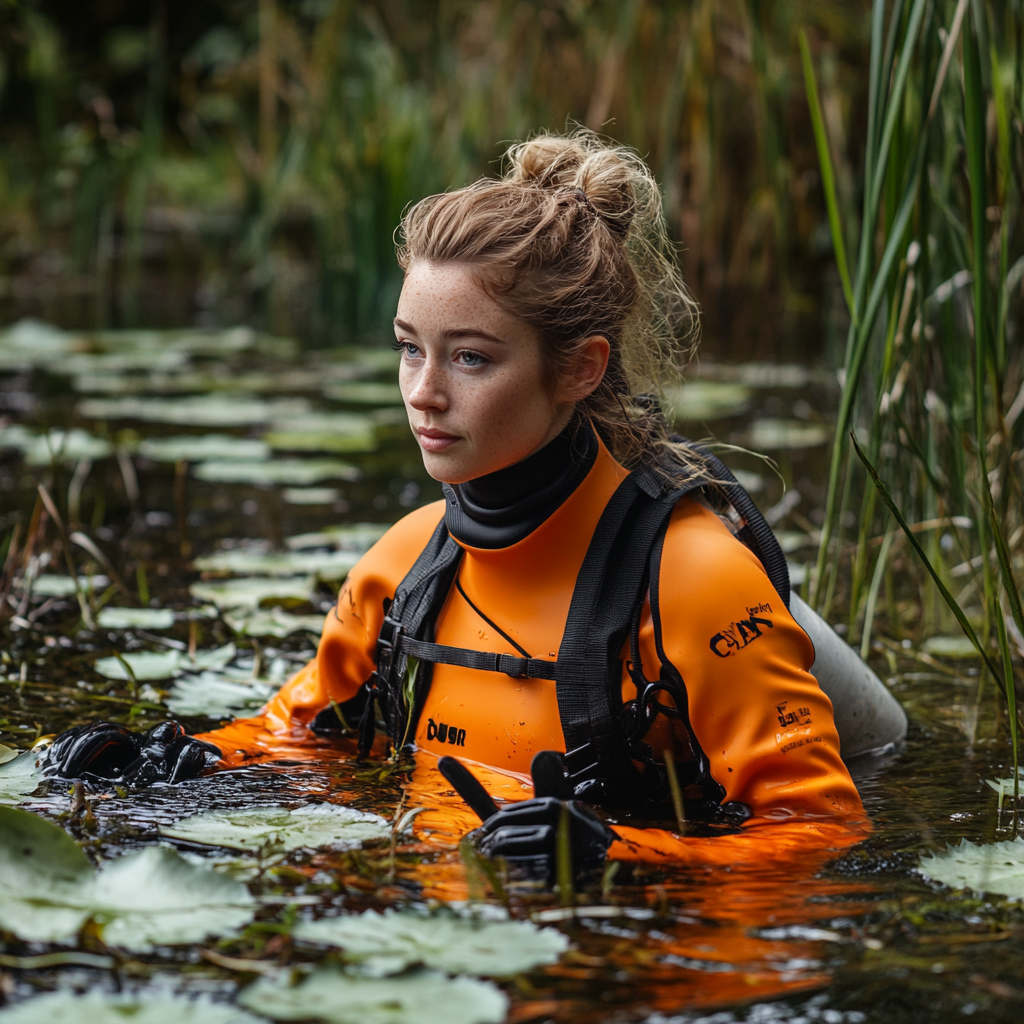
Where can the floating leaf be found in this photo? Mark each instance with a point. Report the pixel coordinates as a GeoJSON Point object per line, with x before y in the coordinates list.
{"type": "Point", "coordinates": [346, 537]}
{"type": "Point", "coordinates": [296, 472]}
{"type": "Point", "coordinates": [331, 995]}
{"type": "Point", "coordinates": [365, 392]}
{"type": "Point", "coordinates": [786, 434]}
{"type": "Point", "coordinates": [66, 446]}
{"type": "Point", "coordinates": [135, 618]}
{"type": "Point", "coordinates": [214, 410]}
{"type": "Point", "coordinates": [220, 694]}
{"type": "Point", "coordinates": [48, 889]}
{"type": "Point", "coordinates": [706, 400]}
{"type": "Point", "coordinates": [116, 1008]}
{"type": "Point", "coordinates": [272, 622]}
{"type": "Point", "coordinates": [52, 585]}
{"type": "Point", "coordinates": [992, 867]}
{"type": "Point", "coordinates": [1004, 787]}
{"type": "Point", "coordinates": [248, 592]}
{"type": "Point", "coordinates": [31, 343]}
{"type": "Point", "coordinates": [949, 647]}
{"type": "Point", "coordinates": [311, 495]}
{"type": "Point", "coordinates": [334, 565]}
{"type": "Point", "coordinates": [203, 447]}
{"type": "Point", "coordinates": [759, 375]}
{"type": "Point", "coordinates": [323, 432]}
{"type": "Point", "coordinates": [19, 776]}
{"type": "Point", "coordinates": [278, 828]}
{"type": "Point", "coordinates": [391, 942]}
{"type": "Point", "coordinates": [164, 664]}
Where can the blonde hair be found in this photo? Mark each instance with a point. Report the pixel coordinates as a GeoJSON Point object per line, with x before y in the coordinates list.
{"type": "Point", "coordinates": [572, 240]}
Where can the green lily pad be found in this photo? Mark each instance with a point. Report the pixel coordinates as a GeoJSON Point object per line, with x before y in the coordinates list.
{"type": "Point", "coordinates": [345, 537]}
{"type": "Point", "coordinates": [336, 997]}
{"type": "Point", "coordinates": [203, 447]}
{"type": "Point", "coordinates": [164, 664]}
{"type": "Point", "coordinates": [311, 495]}
{"type": "Point", "coordinates": [389, 943]}
{"type": "Point", "coordinates": [49, 889]}
{"type": "Point", "coordinates": [135, 618]}
{"type": "Point", "coordinates": [333, 565]}
{"type": "Point", "coordinates": [772, 434]}
{"type": "Point", "coordinates": [365, 392]}
{"type": "Point", "coordinates": [323, 432]}
{"type": "Point", "coordinates": [1004, 787]}
{"type": "Point", "coordinates": [706, 400]}
{"type": "Point", "coordinates": [949, 647]}
{"type": "Point", "coordinates": [294, 472]}
{"type": "Point", "coordinates": [109, 1008]}
{"type": "Point", "coordinates": [31, 343]}
{"type": "Point", "coordinates": [66, 446]}
{"type": "Point", "coordinates": [990, 867]}
{"type": "Point", "coordinates": [272, 622]}
{"type": "Point", "coordinates": [19, 775]}
{"type": "Point", "coordinates": [51, 585]}
{"type": "Point", "coordinates": [759, 375]}
{"type": "Point", "coordinates": [213, 410]}
{"type": "Point", "coordinates": [278, 828]}
{"type": "Point", "coordinates": [249, 592]}
{"type": "Point", "coordinates": [222, 694]}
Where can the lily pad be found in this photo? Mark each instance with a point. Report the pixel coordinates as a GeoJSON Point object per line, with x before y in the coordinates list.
{"type": "Point", "coordinates": [249, 591]}
{"type": "Point", "coordinates": [771, 434]}
{"type": "Point", "coordinates": [333, 565]}
{"type": "Point", "coordinates": [214, 410]}
{"type": "Point", "coordinates": [203, 447]}
{"type": "Point", "coordinates": [949, 647]}
{"type": "Point", "coordinates": [272, 622]}
{"type": "Point", "coordinates": [992, 867]}
{"type": "Point", "coordinates": [32, 342]}
{"type": "Point", "coordinates": [164, 664]}
{"type": "Point", "coordinates": [279, 828]}
{"type": "Point", "coordinates": [323, 432]}
{"type": "Point", "coordinates": [1004, 787]}
{"type": "Point", "coordinates": [49, 889]}
{"type": "Point", "coordinates": [311, 495]}
{"type": "Point", "coordinates": [110, 1008]}
{"type": "Point", "coordinates": [66, 446]}
{"type": "Point", "coordinates": [706, 400]}
{"type": "Point", "coordinates": [346, 537]}
{"type": "Point", "coordinates": [365, 392]}
{"type": "Point", "coordinates": [52, 585]}
{"type": "Point", "coordinates": [336, 997]}
{"type": "Point", "coordinates": [295, 472]}
{"type": "Point", "coordinates": [19, 776]}
{"type": "Point", "coordinates": [220, 694]}
{"type": "Point", "coordinates": [391, 942]}
{"type": "Point", "coordinates": [759, 375]}
{"type": "Point", "coordinates": [135, 618]}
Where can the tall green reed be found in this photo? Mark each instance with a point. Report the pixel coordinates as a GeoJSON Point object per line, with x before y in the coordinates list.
{"type": "Point", "coordinates": [932, 367]}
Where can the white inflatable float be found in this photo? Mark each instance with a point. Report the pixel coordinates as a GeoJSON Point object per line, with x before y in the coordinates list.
{"type": "Point", "coordinates": [868, 717]}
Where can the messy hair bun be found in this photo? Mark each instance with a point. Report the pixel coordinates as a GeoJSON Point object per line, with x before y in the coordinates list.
{"type": "Point", "coordinates": [572, 240]}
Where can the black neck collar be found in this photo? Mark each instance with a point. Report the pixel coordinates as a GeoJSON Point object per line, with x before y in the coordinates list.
{"type": "Point", "coordinates": [500, 509]}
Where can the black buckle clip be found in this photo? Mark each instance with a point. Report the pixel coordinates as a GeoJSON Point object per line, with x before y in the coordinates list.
{"type": "Point", "coordinates": [388, 639]}
{"type": "Point", "coordinates": [511, 665]}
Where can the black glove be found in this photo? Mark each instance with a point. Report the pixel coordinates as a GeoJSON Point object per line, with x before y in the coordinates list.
{"type": "Point", "coordinates": [526, 833]}
{"type": "Point", "coordinates": [106, 752]}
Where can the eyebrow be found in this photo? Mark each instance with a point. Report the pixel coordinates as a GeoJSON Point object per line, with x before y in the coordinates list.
{"type": "Point", "coordinates": [453, 333]}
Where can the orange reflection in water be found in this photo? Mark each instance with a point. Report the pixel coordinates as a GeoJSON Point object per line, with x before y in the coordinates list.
{"type": "Point", "coordinates": [694, 922]}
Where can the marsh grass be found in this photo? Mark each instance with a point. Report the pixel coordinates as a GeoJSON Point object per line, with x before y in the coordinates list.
{"type": "Point", "coordinates": [932, 375]}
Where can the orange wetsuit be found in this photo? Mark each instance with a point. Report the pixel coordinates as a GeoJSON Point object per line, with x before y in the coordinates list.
{"type": "Point", "coordinates": [760, 717]}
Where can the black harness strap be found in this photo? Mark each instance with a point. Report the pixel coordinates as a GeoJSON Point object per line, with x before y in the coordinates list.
{"type": "Point", "coordinates": [483, 661]}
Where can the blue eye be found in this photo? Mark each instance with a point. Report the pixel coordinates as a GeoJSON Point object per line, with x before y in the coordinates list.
{"type": "Point", "coordinates": [470, 358]}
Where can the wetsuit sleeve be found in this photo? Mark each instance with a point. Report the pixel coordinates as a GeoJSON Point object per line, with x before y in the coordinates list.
{"type": "Point", "coordinates": [759, 716]}
{"type": "Point", "coordinates": [345, 656]}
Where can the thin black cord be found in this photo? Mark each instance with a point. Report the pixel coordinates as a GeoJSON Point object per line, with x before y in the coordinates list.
{"type": "Point", "coordinates": [490, 622]}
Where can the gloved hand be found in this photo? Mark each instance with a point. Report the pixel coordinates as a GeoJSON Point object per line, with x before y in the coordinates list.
{"type": "Point", "coordinates": [107, 752]}
{"type": "Point", "coordinates": [526, 833]}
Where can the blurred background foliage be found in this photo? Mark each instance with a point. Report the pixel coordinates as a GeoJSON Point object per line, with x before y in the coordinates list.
{"type": "Point", "coordinates": [251, 158]}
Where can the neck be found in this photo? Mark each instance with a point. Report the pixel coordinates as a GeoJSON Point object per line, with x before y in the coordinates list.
{"type": "Point", "coordinates": [502, 508]}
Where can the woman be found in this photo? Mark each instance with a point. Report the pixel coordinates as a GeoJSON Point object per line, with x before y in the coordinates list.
{"type": "Point", "coordinates": [536, 310]}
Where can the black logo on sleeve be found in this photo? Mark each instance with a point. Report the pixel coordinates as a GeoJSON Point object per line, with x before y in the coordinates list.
{"type": "Point", "coordinates": [732, 640]}
{"type": "Point", "coordinates": [445, 733]}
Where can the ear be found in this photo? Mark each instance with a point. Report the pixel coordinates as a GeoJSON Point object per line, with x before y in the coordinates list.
{"type": "Point", "coordinates": [587, 370]}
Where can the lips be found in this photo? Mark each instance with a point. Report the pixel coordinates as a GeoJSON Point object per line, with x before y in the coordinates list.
{"type": "Point", "coordinates": [433, 440]}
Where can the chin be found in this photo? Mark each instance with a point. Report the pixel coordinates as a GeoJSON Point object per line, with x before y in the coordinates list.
{"type": "Point", "coordinates": [446, 471]}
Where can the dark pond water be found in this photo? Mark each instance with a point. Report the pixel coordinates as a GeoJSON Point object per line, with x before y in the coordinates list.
{"type": "Point", "coordinates": [180, 462]}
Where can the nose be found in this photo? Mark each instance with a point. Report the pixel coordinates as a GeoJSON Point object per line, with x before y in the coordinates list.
{"type": "Point", "coordinates": [425, 388]}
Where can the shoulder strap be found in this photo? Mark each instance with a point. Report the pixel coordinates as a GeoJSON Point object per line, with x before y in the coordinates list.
{"type": "Point", "coordinates": [609, 589]}
{"type": "Point", "coordinates": [411, 616]}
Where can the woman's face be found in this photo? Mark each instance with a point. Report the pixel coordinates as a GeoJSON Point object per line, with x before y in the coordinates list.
{"type": "Point", "coordinates": [472, 376]}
